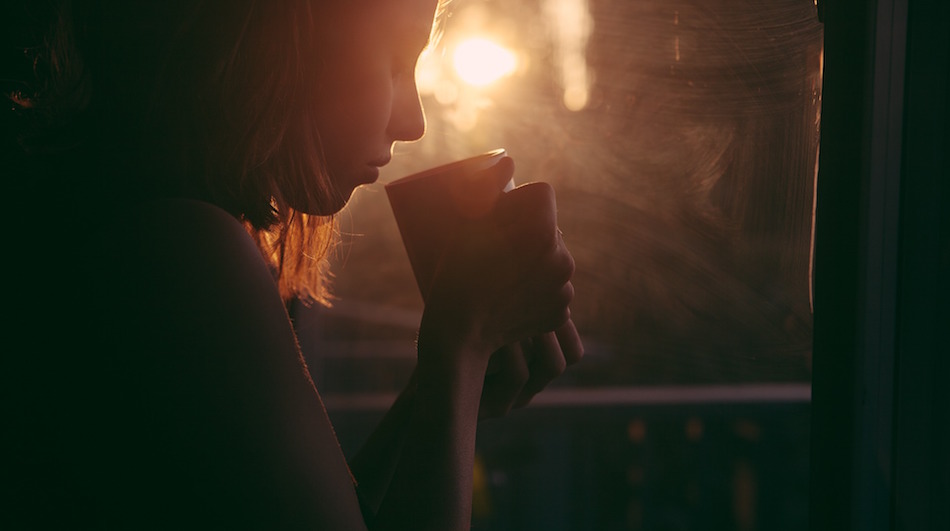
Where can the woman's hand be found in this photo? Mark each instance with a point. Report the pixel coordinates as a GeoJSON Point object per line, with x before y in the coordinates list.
{"type": "Point", "coordinates": [516, 373]}
{"type": "Point", "coordinates": [505, 279]}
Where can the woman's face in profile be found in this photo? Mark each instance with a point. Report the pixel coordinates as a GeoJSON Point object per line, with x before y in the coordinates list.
{"type": "Point", "coordinates": [367, 98]}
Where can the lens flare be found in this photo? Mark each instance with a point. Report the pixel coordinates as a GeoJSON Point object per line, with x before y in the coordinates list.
{"type": "Point", "coordinates": [481, 62]}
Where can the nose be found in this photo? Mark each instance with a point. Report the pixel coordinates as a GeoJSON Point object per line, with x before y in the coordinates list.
{"type": "Point", "coordinates": [407, 120]}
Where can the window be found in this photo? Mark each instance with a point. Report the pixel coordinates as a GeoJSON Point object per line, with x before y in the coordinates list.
{"type": "Point", "coordinates": [682, 139]}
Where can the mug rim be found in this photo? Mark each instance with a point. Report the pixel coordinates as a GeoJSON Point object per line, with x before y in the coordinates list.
{"type": "Point", "coordinates": [449, 166]}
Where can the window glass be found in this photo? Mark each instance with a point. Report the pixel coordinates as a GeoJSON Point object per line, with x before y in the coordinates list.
{"type": "Point", "coordinates": [681, 137]}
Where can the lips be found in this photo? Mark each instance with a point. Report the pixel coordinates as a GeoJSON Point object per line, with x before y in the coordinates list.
{"type": "Point", "coordinates": [381, 161]}
{"type": "Point", "coordinates": [371, 175]}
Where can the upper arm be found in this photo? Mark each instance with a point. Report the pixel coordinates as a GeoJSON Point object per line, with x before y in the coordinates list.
{"type": "Point", "coordinates": [215, 412]}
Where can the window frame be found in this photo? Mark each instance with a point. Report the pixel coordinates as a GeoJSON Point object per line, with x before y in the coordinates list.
{"type": "Point", "coordinates": [876, 460]}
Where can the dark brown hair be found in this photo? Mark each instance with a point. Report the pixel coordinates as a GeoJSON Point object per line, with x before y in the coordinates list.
{"type": "Point", "coordinates": [202, 99]}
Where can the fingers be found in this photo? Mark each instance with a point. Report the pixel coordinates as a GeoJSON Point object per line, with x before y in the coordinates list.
{"type": "Point", "coordinates": [519, 372]}
{"type": "Point", "coordinates": [557, 263]}
{"type": "Point", "coordinates": [570, 342]}
{"type": "Point", "coordinates": [510, 271]}
{"type": "Point", "coordinates": [550, 285]}
{"type": "Point", "coordinates": [554, 309]}
{"type": "Point", "coordinates": [547, 363]}
{"type": "Point", "coordinates": [506, 378]}
{"type": "Point", "coordinates": [528, 217]}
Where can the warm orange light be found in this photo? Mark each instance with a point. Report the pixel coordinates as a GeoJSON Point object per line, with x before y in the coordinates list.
{"type": "Point", "coordinates": [480, 62]}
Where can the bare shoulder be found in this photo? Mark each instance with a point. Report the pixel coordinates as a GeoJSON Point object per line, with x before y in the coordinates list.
{"type": "Point", "coordinates": [206, 388]}
{"type": "Point", "coordinates": [183, 233]}
{"type": "Point", "coordinates": [188, 259]}
{"type": "Point", "coordinates": [190, 269]}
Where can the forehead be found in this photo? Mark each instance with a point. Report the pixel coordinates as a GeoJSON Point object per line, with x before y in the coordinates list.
{"type": "Point", "coordinates": [416, 14]}
{"type": "Point", "coordinates": [365, 24]}
{"type": "Point", "coordinates": [419, 8]}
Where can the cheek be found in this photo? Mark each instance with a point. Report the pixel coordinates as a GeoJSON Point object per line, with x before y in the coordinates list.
{"type": "Point", "coordinates": [356, 103]}
{"type": "Point", "coordinates": [364, 111]}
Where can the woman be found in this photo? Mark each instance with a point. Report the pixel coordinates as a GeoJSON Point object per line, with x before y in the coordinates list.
{"type": "Point", "coordinates": [198, 151]}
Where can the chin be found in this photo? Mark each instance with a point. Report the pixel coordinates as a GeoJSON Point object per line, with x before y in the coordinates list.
{"type": "Point", "coordinates": [338, 205]}
{"type": "Point", "coordinates": [333, 207]}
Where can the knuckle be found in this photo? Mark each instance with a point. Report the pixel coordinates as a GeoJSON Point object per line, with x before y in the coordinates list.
{"type": "Point", "coordinates": [544, 190]}
{"type": "Point", "coordinates": [540, 202]}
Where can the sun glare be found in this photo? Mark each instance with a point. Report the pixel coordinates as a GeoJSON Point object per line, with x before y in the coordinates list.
{"type": "Point", "coordinates": [480, 62]}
